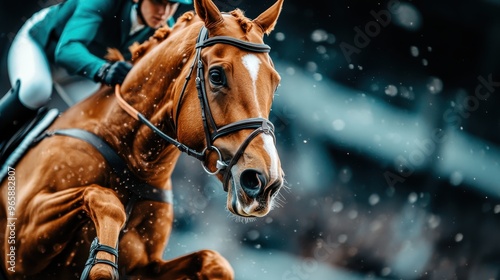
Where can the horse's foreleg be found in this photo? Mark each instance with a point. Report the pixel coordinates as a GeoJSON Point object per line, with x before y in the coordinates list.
{"type": "Point", "coordinates": [52, 218]}
{"type": "Point", "coordinates": [108, 215]}
{"type": "Point", "coordinates": [205, 264]}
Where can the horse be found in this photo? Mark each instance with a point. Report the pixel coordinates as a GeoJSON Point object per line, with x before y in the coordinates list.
{"type": "Point", "coordinates": [92, 197]}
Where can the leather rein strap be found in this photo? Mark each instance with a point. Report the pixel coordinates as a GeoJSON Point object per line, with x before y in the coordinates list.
{"type": "Point", "coordinates": [212, 131]}
{"type": "Point", "coordinates": [140, 117]}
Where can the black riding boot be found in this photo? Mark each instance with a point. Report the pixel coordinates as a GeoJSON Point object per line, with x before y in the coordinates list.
{"type": "Point", "coordinates": [13, 114]}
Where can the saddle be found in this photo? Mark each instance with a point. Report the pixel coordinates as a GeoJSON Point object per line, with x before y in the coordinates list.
{"type": "Point", "coordinates": [13, 149]}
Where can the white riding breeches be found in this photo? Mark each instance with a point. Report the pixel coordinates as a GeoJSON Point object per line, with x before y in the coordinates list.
{"type": "Point", "coordinates": [28, 62]}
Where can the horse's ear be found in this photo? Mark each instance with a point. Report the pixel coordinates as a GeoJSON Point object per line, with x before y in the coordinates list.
{"type": "Point", "coordinates": [208, 12]}
{"type": "Point", "coordinates": [267, 20]}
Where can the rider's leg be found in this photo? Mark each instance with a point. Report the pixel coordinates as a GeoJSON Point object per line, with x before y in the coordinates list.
{"type": "Point", "coordinates": [27, 63]}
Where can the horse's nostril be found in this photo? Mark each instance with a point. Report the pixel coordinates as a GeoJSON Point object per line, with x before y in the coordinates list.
{"type": "Point", "coordinates": [252, 182]}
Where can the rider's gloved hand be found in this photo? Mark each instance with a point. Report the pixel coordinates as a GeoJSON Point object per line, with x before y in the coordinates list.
{"type": "Point", "coordinates": [112, 74]}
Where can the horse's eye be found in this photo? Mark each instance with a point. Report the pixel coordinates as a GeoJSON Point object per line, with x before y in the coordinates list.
{"type": "Point", "coordinates": [217, 77]}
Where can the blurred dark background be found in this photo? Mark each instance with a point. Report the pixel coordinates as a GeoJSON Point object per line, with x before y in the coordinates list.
{"type": "Point", "coordinates": [387, 127]}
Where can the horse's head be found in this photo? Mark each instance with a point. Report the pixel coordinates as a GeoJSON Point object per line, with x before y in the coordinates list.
{"type": "Point", "coordinates": [237, 82]}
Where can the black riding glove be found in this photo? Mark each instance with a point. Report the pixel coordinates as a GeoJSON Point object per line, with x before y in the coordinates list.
{"type": "Point", "coordinates": [112, 74]}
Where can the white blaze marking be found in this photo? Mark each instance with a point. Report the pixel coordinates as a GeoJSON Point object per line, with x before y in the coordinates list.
{"type": "Point", "coordinates": [273, 154]}
{"type": "Point", "coordinates": [252, 64]}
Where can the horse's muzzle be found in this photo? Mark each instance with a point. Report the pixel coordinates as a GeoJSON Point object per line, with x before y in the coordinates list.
{"type": "Point", "coordinates": [251, 193]}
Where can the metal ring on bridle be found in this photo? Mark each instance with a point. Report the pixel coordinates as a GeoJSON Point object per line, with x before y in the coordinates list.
{"type": "Point", "coordinates": [220, 162]}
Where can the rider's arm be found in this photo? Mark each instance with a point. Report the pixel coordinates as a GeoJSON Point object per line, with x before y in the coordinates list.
{"type": "Point", "coordinates": [71, 51]}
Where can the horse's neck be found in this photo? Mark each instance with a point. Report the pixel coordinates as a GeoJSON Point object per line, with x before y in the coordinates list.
{"type": "Point", "coordinates": [154, 90]}
{"type": "Point", "coordinates": [100, 114]}
{"type": "Point", "coordinates": [154, 84]}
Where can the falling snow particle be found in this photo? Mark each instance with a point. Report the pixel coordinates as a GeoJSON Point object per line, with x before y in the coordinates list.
{"type": "Point", "coordinates": [374, 199]}
{"type": "Point", "coordinates": [459, 237]}
{"type": "Point", "coordinates": [456, 178]}
{"type": "Point", "coordinates": [338, 125]}
{"type": "Point", "coordinates": [280, 36]}
{"type": "Point", "coordinates": [391, 90]}
{"type": "Point", "coordinates": [337, 207]}
{"type": "Point", "coordinates": [319, 35]}
{"type": "Point", "coordinates": [321, 49]}
{"type": "Point", "coordinates": [434, 221]}
{"type": "Point", "coordinates": [311, 66]}
{"type": "Point", "coordinates": [412, 198]}
{"type": "Point", "coordinates": [318, 77]}
{"type": "Point", "coordinates": [434, 85]}
{"type": "Point", "coordinates": [414, 51]}
{"type": "Point", "coordinates": [407, 16]}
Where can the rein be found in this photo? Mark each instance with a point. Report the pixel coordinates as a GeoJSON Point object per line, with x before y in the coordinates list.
{"type": "Point", "coordinates": [140, 117]}
{"type": "Point", "coordinates": [212, 131]}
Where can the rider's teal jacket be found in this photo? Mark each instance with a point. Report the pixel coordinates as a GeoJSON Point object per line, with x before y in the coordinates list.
{"type": "Point", "coordinates": [77, 33]}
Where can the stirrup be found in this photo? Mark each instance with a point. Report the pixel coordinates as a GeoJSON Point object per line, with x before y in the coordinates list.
{"type": "Point", "coordinates": [92, 260]}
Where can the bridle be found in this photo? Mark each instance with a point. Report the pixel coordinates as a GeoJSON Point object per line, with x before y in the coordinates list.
{"type": "Point", "coordinates": [212, 131]}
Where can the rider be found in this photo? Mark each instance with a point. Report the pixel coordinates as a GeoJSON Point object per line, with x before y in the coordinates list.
{"type": "Point", "coordinates": [75, 35]}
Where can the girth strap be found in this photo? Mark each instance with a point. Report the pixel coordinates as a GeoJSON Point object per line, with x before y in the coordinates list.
{"type": "Point", "coordinates": [139, 189]}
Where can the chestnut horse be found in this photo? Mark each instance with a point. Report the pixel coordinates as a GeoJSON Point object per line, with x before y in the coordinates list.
{"type": "Point", "coordinates": [99, 179]}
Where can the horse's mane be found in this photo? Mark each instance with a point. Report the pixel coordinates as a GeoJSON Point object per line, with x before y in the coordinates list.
{"type": "Point", "coordinates": [245, 23]}
{"type": "Point", "coordinates": [139, 50]}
